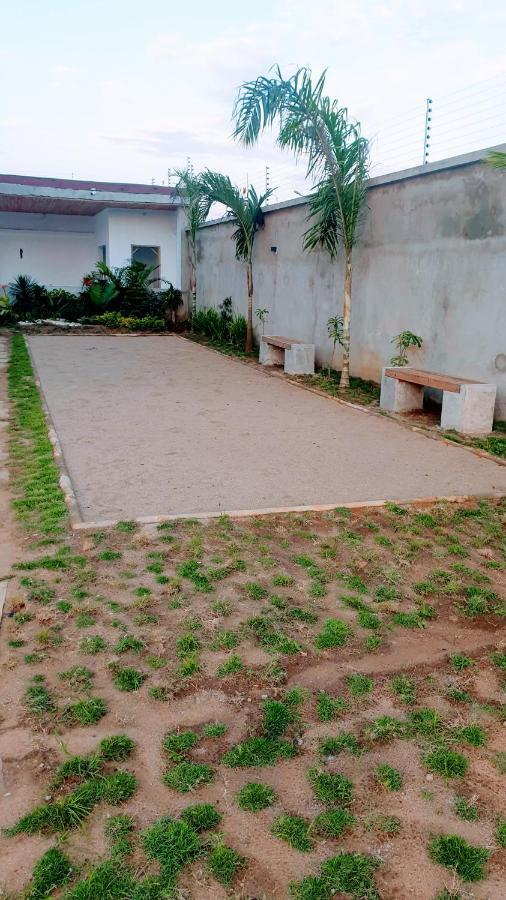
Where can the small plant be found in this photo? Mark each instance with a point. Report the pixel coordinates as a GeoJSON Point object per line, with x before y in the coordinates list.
{"type": "Point", "coordinates": [359, 684]}
{"type": "Point", "coordinates": [335, 633]}
{"type": "Point", "coordinates": [37, 697]}
{"type": "Point", "coordinates": [127, 679]}
{"type": "Point", "coordinates": [129, 643]}
{"type": "Point", "coordinates": [455, 853]}
{"type": "Point", "coordinates": [255, 796]}
{"type": "Point", "coordinates": [85, 712]}
{"type": "Point", "coordinates": [278, 715]}
{"type": "Point", "coordinates": [214, 730]}
{"type": "Point", "coordinates": [473, 735]}
{"type": "Point", "coordinates": [79, 678]}
{"type": "Point", "coordinates": [116, 748]}
{"type": "Point", "coordinates": [232, 665]}
{"type": "Point", "coordinates": [92, 644]}
{"type": "Point", "coordinates": [344, 741]}
{"type": "Point", "coordinates": [201, 817]}
{"type": "Point", "coordinates": [335, 332]}
{"type": "Point", "coordinates": [447, 763]}
{"type": "Point", "coordinates": [348, 874]}
{"type": "Point", "coordinates": [404, 687]}
{"type": "Point", "coordinates": [385, 729]}
{"type": "Point", "coordinates": [403, 342]}
{"type": "Point", "coordinates": [500, 833]}
{"type": "Point", "coordinates": [224, 863]}
{"type": "Point", "coordinates": [460, 662]}
{"type": "Point", "coordinates": [258, 751]}
{"type": "Point", "coordinates": [388, 777]}
{"type": "Point", "coordinates": [177, 744]}
{"type": "Point", "coordinates": [329, 708]}
{"type": "Point", "coordinates": [186, 776]}
{"type": "Point", "coordinates": [330, 788]}
{"type": "Point", "coordinates": [51, 871]}
{"type": "Point", "coordinates": [294, 830]}
{"type": "Point", "coordinates": [333, 823]}
{"type": "Point", "coordinates": [465, 809]}
{"type": "Point", "coordinates": [262, 315]}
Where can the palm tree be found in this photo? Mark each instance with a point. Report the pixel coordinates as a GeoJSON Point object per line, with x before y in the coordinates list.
{"type": "Point", "coordinates": [196, 206]}
{"type": "Point", "coordinates": [245, 211]}
{"type": "Point", "coordinates": [337, 160]}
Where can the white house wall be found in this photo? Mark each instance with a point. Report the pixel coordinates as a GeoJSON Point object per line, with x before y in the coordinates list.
{"type": "Point", "coordinates": [152, 228]}
{"type": "Point", "coordinates": [56, 250]}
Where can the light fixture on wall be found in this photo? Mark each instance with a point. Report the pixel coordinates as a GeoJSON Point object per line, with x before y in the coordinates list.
{"type": "Point", "coordinates": [274, 249]}
{"type": "Point", "coordinates": [21, 253]}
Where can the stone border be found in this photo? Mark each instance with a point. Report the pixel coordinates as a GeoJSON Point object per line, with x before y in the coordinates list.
{"type": "Point", "coordinates": [77, 523]}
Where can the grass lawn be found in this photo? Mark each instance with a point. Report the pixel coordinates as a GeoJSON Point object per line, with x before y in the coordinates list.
{"type": "Point", "coordinates": [300, 706]}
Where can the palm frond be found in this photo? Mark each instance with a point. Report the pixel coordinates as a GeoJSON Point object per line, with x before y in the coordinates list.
{"type": "Point", "coordinates": [245, 211]}
{"type": "Point", "coordinates": [497, 159]}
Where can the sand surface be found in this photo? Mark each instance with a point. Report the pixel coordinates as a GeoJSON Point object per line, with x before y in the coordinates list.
{"type": "Point", "coordinates": [159, 425]}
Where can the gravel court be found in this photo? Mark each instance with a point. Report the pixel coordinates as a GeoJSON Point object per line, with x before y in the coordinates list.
{"type": "Point", "coordinates": [158, 425]}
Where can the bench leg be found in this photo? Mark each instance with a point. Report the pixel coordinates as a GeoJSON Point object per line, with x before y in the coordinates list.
{"type": "Point", "coordinates": [400, 396]}
{"type": "Point", "coordinates": [471, 411]}
{"type": "Point", "coordinates": [270, 355]}
{"type": "Point", "coordinates": [299, 359]}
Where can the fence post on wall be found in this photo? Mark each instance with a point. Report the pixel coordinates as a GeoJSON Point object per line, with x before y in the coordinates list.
{"type": "Point", "coordinates": [426, 136]}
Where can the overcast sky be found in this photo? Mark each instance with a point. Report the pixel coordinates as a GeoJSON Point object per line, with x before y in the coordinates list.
{"type": "Point", "coordinates": [124, 90]}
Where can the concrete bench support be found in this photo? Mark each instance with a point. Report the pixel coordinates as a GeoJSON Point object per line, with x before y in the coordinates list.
{"type": "Point", "coordinates": [400, 396]}
{"type": "Point", "coordinates": [468, 406]}
{"type": "Point", "coordinates": [471, 411]}
{"type": "Point", "coordinates": [296, 357]}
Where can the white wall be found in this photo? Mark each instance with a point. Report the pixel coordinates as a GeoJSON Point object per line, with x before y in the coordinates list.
{"type": "Point", "coordinates": [57, 250]}
{"type": "Point", "coordinates": [431, 258]}
{"type": "Point", "coordinates": [153, 228]}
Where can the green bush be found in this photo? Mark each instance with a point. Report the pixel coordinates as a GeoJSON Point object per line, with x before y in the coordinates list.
{"type": "Point", "coordinates": [221, 325]}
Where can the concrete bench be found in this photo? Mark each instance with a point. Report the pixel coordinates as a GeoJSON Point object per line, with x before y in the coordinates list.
{"type": "Point", "coordinates": [296, 356]}
{"type": "Point", "coordinates": [468, 406]}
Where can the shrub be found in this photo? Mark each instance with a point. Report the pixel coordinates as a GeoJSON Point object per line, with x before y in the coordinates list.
{"type": "Point", "coordinates": [456, 854]}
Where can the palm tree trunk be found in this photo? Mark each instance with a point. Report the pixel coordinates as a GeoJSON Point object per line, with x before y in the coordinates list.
{"type": "Point", "coordinates": [344, 383]}
{"type": "Point", "coordinates": [249, 319]}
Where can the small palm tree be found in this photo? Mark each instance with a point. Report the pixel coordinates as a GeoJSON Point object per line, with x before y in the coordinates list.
{"type": "Point", "coordinates": [337, 160]}
{"type": "Point", "coordinates": [196, 206]}
{"type": "Point", "coordinates": [245, 211]}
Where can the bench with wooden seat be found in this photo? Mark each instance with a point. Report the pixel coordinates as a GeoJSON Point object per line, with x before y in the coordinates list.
{"type": "Point", "coordinates": [296, 356]}
{"type": "Point", "coordinates": [468, 406]}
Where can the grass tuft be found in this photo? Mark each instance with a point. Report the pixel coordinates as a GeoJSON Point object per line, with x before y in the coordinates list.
{"type": "Point", "coordinates": [455, 853]}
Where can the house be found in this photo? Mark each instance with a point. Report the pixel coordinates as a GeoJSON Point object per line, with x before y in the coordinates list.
{"type": "Point", "coordinates": [56, 229]}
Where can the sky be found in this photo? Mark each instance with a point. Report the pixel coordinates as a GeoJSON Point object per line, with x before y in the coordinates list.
{"type": "Point", "coordinates": [125, 91]}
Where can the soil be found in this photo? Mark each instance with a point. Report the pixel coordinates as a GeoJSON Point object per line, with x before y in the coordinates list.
{"type": "Point", "coordinates": [352, 562]}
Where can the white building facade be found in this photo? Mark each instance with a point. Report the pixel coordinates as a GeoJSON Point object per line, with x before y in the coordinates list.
{"type": "Point", "coordinates": [55, 230]}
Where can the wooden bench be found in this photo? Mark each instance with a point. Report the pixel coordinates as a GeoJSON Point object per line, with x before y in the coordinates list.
{"type": "Point", "coordinates": [296, 356]}
{"type": "Point", "coordinates": [468, 406]}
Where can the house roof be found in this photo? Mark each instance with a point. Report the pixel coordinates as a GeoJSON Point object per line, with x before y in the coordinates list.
{"type": "Point", "coordinates": [34, 194]}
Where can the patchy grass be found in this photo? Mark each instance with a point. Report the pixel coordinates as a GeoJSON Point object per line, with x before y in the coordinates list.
{"type": "Point", "coordinates": [453, 852]}
{"type": "Point", "coordinates": [307, 597]}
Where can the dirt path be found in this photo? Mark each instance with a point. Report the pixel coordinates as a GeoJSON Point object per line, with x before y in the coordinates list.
{"type": "Point", "coordinates": [159, 425]}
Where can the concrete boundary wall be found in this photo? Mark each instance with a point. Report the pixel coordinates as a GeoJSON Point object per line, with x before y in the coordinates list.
{"type": "Point", "coordinates": [431, 258]}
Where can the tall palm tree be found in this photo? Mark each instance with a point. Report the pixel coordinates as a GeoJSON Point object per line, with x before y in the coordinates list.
{"type": "Point", "coordinates": [245, 211]}
{"type": "Point", "coordinates": [312, 124]}
{"type": "Point", "coordinates": [196, 206]}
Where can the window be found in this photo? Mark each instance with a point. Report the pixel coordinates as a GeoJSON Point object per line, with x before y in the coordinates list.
{"type": "Point", "coordinates": [150, 256]}
{"type": "Point", "coordinates": [102, 254]}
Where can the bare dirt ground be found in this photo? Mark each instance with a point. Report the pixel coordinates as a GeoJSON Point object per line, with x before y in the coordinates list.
{"type": "Point", "coordinates": [224, 589]}
{"type": "Point", "coordinates": [159, 425]}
